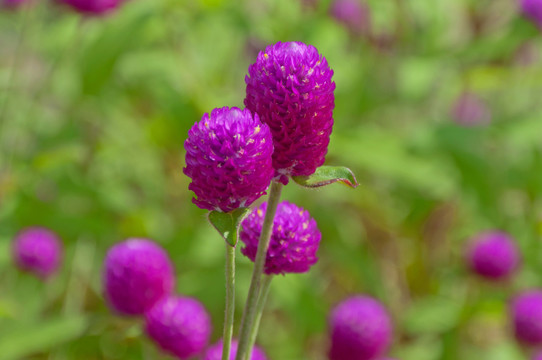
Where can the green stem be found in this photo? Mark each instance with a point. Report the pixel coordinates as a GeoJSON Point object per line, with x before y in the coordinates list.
{"type": "Point", "coordinates": [230, 301]}
{"type": "Point", "coordinates": [255, 284]}
{"type": "Point", "coordinates": [264, 292]}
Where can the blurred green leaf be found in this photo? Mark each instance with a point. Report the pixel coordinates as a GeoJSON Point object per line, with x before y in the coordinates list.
{"type": "Point", "coordinates": [326, 175]}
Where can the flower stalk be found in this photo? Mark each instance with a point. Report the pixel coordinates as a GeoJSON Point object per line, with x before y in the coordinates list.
{"type": "Point", "coordinates": [251, 305]}
{"type": "Point", "coordinates": [264, 292]}
{"type": "Point", "coordinates": [230, 301]}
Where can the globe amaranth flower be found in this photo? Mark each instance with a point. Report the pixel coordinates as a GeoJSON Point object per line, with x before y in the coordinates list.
{"type": "Point", "coordinates": [228, 158]}
{"type": "Point", "coordinates": [294, 241]}
{"type": "Point", "coordinates": [493, 255]}
{"type": "Point", "coordinates": [532, 9]}
{"type": "Point", "coordinates": [37, 250]}
{"type": "Point", "coordinates": [179, 325]}
{"type": "Point", "coordinates": [470, 110]}
{"type": "Point", "coordinates": [526, 311]}
{"type": "Point", "coordinates": [354, 14]}
{"type": "Point", "coordinates": [137, 273]}
{"type": "Point", "coordinates": [361, 329]}
{"type": "Point", "coordinates": [290, 88]}
{"type": "Point", "coordinates": [215, 352]}
{"type": "Point", "coordinates": [93, 7]}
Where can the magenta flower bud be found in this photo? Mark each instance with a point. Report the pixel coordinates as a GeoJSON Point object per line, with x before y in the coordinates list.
{"type": "Point", "coordinates": [526, 312]}
{"type": "Point", "coordinates": [532, 9]}
{"type": "Point", "coordinates": [215, 352]}
{"type": "Point", "coordinates": [290, 88]}
{"type": "Point", "coordinates": [361, 329]}
{"type": "Point", "coordinates": [470, 110]}
{"type": "Point", "coordinates": [179, 325]}
{"type": "Point", "coordinates": [93, 7]}
{"type": "Point", "coordinates": [493, 255]}
{"type": "Point", "coordinates": [37, 250]}
{"type": "Point", "coordinates": [137, 273]}
{"type": "Point", "coordinates": [353, 14]}
{"type": "Point", "coordinates": [294, 241]}
{"type": "Point", "coordinates": [228, 158]}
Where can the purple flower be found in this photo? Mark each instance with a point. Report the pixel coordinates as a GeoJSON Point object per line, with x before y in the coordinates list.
{"type": "Point", "coordinates": [526, 312]}
{"type": "Point", "coordinates": [294, 241]}
{"type": "Point", "coordinates": [228, 158]}
{"type": "Point", "coordinates": [290, 87]}
{"type": "Point", "coordinates": [493, 255]}
{"type": "Point", "coordinates": [93, 7]}
{"type": "Point", "coordinates": [532, 9]}
{"type": "Point", "coordinates": [537, 356]}
{"type": "Point", "coordinates": [179, 325]}
{"type": "Point", "coordinates": [215, 352]}
{"type": "Point", "coordinates": [470, 110]}
{"type": "Point", "coordinates": [37, 250]}
{"type": "Point", "coordinates": [353, 14]}
{"type": "Point", "coordinates": [361, 329]}
{"type": "Point", "coordinates": [137, 273]}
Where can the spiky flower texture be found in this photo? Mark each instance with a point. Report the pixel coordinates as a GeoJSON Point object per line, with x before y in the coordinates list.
{"type": "Point", "coordinates": [137, 273]}
{"type": "Point", "coordinates": [361, 329]}
{"type": "Point", "coordinates": [294, 241]}
{"type": "Point", "coordinates": [228, 158]}
{"type": "Point", "coordinates": [179, 325]}
{"type": "Point", "coordinates": [493, 255]}
{"type": "Point", "coordinates": [215, 352]}
{"type": "Point", "coordinates": [37, 250]}
{"type": "Point", "coordinates": [526, 314]}
{"type": "Point", "coordinates": [290, 87]}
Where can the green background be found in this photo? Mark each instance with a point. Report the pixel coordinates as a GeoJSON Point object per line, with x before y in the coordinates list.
{"type": "Point", "coordinates": [91, 146]}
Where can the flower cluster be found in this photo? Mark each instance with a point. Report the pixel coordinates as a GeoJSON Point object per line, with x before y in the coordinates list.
{"type": "Point", "coordinates": [294, 240]}
{"type": "Point", "coordinates": [228, 158]}
{"type": "Point", "coordinates": [37, 250]}
{"type": "Point", "coordinates": [290, 88]}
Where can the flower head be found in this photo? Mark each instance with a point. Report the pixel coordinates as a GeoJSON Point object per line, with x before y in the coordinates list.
{"type": "Point", "coordinates": [353, 14]}
{"type": "Point", "coordinates": [37, 250]}
{"type": "Point", "coordinates": [526, 312]}
{"type": "Point", "coordinates": [470, 110]}
{"type": "Point", "coordinates": [215, 352]}
{"type": "Point", "coordinates": [93, 7]}
{"type": "Point", "coordinates": [290, 88]}
{"type": "Point", "coordinates": [361, 329]}
{"type": "Point", "coordinates": [228, 158]}
{"type": "Point", "coordinates": [137, 273]}
{"type": "Point", "coordinates": [532, 9]}
{"type": "Point", "coordinates": [294, 241]}
{"type": "Point", "coordinates": [493, 255]}
{"type": "Point", "coordinates": [179, 325]}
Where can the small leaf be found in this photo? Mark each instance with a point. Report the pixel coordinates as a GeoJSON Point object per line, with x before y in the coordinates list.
{"type": "Point", "coordinates": [326, 175]}
{"type": "Point", "coordinates": [227, 224]}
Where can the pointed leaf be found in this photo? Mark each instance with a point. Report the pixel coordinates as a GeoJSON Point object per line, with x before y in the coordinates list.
{"type": "Point", "coordinates": [227, 224]}
{"type": "Point", "coordinates": [326, 175]}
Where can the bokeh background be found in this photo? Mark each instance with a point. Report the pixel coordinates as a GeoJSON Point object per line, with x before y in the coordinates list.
{"type": "Point", "coordinates": [438, 113]}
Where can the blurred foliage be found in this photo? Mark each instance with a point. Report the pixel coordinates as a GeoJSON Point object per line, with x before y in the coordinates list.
{"type": "Point", "coordinates": [93, 119]}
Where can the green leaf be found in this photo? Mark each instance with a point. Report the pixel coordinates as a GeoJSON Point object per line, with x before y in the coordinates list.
{"type": "Point", "coordinates": [326, 175]}
{"type": "Point", "coordinates": [227, 224]}
{"type": "Point", "coordinates": [41, 337]}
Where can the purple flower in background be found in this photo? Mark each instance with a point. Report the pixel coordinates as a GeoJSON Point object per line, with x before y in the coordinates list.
{"type": "Point", "coordinates": [294, 241]}
{"type": "Point", "coordinates": [290, 88]}
{"type": "Point", "coordinates": [493, 255]}
{"type": "Point", "coordinates": [215, 352]}
{"type": "Point", "coordinates": [37, 250]}
{"type": "Point", "coordinates": [470, 110]}
{"type": "Point", "coordinates": [526, 312]}
{"type": "Point", "coordinates": [93, 7]}
{"type": "Point", "coordinates": [353, 14]}
{"type": "Point", "coordinates": [137, 273]}
{"type": "Point", "coordinates": [228, 158]}
{"type": "Point", "coordinates": [179, 325]}
{"type": "Point", "coordinates": [537, 356]}
{"type": "Point", "coordinates": [361, 329]}
{"type": "Point", "coordinates": [532, 9]}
